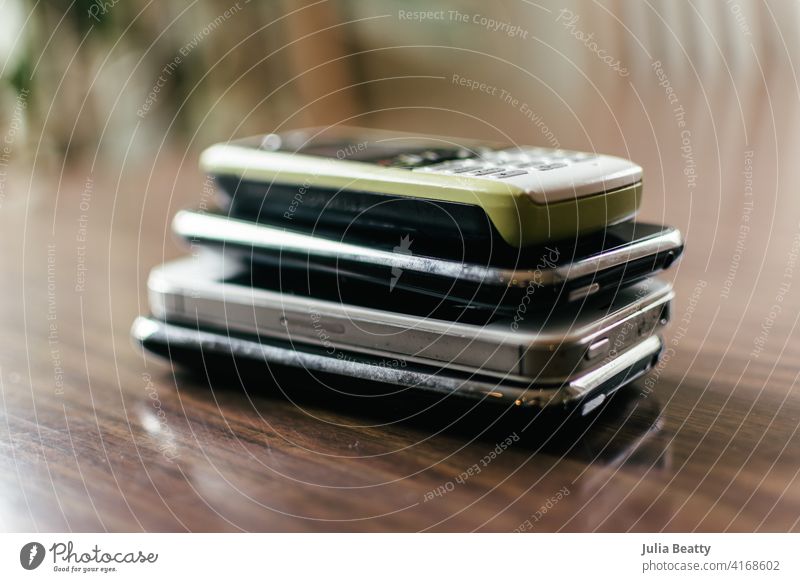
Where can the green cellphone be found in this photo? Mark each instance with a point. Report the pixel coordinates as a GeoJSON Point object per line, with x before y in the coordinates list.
{"type": "Point", "coordinates": [387, 184]}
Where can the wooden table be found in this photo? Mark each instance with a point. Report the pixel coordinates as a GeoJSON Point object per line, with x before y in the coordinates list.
{"type": "Point", "coordinates": [94, 437]}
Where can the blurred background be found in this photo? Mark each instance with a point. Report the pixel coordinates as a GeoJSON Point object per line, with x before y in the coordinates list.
{"type": "Point", "coordinates": [116, 74]}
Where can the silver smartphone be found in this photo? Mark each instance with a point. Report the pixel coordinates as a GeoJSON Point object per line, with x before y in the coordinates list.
{"type": "Point", "coordinates": [204, 349]}
{"type": "Point", "coordinates": [210, 291]}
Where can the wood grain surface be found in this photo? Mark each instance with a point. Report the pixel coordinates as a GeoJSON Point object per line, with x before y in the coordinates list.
{"type": "Point", "coordinates": [95, 437]}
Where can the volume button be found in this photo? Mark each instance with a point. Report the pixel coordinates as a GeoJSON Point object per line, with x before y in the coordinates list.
{"type": "Point", "coordinates": [598, 348]}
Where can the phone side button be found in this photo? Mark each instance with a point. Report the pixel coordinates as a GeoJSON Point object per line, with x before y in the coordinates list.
{"type": "Point", "coordinates": [598, 349]}
{"type": "Point", "coordinates": [583, 292]}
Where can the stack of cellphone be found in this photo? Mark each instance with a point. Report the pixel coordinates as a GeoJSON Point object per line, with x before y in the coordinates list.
{"type": "Point", "coordinates": [514, 276]}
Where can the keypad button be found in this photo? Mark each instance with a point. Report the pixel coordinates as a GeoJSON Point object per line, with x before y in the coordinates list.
{"type": "Point", "coordinates": [487, 171]}
{"type": "Point", "coordinates": [538, 162]}
{"type": "Point", "coordinates": [446, 166]}
{"type": "Point", "coordinates": [499, 156]}
{"type": "Point", "coordinates": [408, 160]}
{"type": "Point", "coordinates": [553, 166]}
{"type": "Point", "coordinates": [581, 157]}
{"type": "Point", "coordinates": [510, 152]}
{"type": "Point", "coordinates": [510, 174]}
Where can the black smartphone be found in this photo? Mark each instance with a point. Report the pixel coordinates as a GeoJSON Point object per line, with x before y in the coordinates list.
{"type": "Point", "coordinates": [207, 348]}
{"type": "Point", "coordinates": [430, 275]}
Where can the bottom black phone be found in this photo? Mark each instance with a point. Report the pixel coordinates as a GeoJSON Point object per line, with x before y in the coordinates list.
{"type": "Point", "coordinates": [200, 348]}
